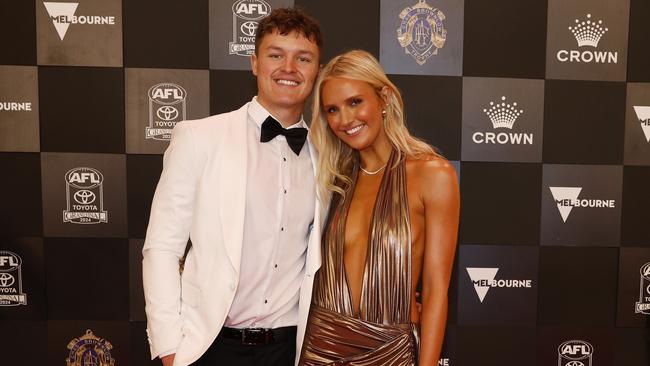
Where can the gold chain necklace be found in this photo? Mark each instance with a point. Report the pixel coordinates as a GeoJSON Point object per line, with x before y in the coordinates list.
{"type": "Point", "coordinates": [374, 172]}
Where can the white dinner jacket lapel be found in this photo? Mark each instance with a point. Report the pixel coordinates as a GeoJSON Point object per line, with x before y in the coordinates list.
{"type": "Point", "coordinates": [232, 183]}
{"type": "Point", "coordinates": [314, 258]}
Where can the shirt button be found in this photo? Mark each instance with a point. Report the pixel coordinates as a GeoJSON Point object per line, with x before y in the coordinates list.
{"type": "Point", "coordinates": [284, 159]}
{"type": "Point", "coordinates": [276, 266]}
{"type": "Point", "coordinates": [282, 229]}
{"type": "Point", "coordinates": [285, 191]}
{"type": "Point", "coordinates": [266, 301]}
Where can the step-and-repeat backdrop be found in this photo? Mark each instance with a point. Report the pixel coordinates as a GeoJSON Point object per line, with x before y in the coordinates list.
{"type": "Point", "coordinates": [543, 106]}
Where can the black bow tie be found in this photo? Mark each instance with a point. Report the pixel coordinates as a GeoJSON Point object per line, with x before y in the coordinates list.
{"type": "Point", "coordinates": [295, 136]}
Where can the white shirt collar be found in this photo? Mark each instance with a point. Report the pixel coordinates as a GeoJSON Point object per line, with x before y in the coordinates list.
{"type": "Point", "coordinates": [259, 114]}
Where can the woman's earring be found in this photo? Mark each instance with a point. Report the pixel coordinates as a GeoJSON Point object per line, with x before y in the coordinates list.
{"type": "Point", "coordinates": [383, 114]}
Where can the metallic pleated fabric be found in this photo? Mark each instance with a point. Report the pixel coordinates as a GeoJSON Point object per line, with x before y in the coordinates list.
{"type": "Point", "coordinates": [381, 333]}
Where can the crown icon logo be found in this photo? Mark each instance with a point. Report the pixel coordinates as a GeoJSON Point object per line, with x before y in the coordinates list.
{"type": "Point", "coordinates": [588, 32]}
{"type": "Point", "coordinates": [502, 114]}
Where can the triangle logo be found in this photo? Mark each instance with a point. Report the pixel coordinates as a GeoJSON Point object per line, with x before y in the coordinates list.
{"type": "Point", "coordinates": [56, 10]}
{"type": "Point", "coordinates": [561, 194]}
{"type": "Point", "coordinates": [643, 114]}
{"type": "Point", "coordinates": [481, 278]}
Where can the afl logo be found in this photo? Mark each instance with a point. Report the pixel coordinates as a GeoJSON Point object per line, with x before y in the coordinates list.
{"type": "Point", "coordinates": [84, 196]}
{"type": "Point", "coordinates": [84, 178]}
{"type": "Point", "coordinates": [643, 306]}
{"type": "Point", "coordinates": [166, 108]}
{"type": "Point", "coordinates": [575, 353]}
{"type": "Point", "coordinates": [645, 271]}
{"type": "Point", "coordinates": [9, 261]}
{"type": "Point", "coordinates": [11, 283]}
{"type": "Point", "coordinates": [167, 93]}
{"type": "Point", "coordinates": [251, 9]}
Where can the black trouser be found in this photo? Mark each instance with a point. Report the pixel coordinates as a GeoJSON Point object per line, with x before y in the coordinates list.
{"type": "Point", "coordinates": [232, 352]}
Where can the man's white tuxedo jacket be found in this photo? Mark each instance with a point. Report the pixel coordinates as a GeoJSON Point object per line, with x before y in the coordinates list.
{"type": "Point", "coordinates": [201, 195]}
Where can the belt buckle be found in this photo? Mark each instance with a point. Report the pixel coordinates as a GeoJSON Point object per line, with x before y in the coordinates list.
{"type": "Point", "coordinates": [253, 336]}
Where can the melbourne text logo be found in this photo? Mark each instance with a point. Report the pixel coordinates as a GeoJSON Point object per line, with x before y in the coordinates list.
{"type": "Point", "coordinates": [421, 32]}
{"type": "Point", "coordinates": [16, 106]}
{"type": "Point", "coordinates": [84, 197]}
{"type": "Point", "coordinates": [587, 33]}
{"type": "Point", "coordinates": [643, 114]}
{"type": "Point", "coordinates": [63, 15]}
{"type": "Point", "coordinates": [483, 280]}
{"type": "Point", "coordinates": [11, 280]}
{"type": "Point", "coordinates": [566, 199]}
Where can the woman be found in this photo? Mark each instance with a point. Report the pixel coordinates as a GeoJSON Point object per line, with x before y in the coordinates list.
{"type": "Point", "coordinates": [393, 217]}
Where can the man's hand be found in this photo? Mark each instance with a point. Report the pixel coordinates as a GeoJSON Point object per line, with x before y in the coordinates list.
{"type": "Point", "coordinates": [168, 360]}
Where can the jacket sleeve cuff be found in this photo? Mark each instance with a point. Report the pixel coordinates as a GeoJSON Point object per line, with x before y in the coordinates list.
{"type": "Point", "coordinates": [163, 347]}
{"type": "Point", "coordinates": [167, 353]}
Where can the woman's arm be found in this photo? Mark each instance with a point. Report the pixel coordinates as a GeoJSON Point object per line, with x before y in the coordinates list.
{"type": "Point", "coordinates": [439, 191]}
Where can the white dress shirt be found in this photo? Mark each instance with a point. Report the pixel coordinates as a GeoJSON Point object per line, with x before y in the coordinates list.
{"type": "Point", "coordinates": [280, 202]}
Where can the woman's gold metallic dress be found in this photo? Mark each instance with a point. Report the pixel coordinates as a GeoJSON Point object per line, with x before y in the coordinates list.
{"type": "Point", "coordinates": [382, 333]}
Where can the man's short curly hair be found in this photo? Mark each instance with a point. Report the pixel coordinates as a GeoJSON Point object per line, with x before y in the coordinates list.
{"type": "Point", "coordinates": [287, 20]}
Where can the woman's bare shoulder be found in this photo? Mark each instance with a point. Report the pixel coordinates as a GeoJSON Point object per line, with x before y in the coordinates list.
{"type": "Point", "coordinates": [431, 171]}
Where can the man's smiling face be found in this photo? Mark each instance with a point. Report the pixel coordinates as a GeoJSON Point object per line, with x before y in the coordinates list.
{"type": "Point", "coordinates": [286, 67]}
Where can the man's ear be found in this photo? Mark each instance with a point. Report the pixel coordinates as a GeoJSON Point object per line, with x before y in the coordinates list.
{"type": "Point", "coordinates": [254, 64]}
{"type": "Point", "coordinates": [320, 69]}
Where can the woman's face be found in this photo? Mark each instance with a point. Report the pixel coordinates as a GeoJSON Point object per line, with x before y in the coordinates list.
{"type": "Point", "coordinates": [353, 110]}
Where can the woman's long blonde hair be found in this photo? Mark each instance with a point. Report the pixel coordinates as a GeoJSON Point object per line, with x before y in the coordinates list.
{"type": "Point", "coordinates": [336, 159]}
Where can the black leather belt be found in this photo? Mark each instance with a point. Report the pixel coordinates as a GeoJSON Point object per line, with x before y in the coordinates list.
{"type": "Point", "coordinates": [257, 336]}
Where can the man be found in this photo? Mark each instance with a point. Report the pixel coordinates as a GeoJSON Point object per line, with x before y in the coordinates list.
{"type": "Point", "coordinates": [241, 186]}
